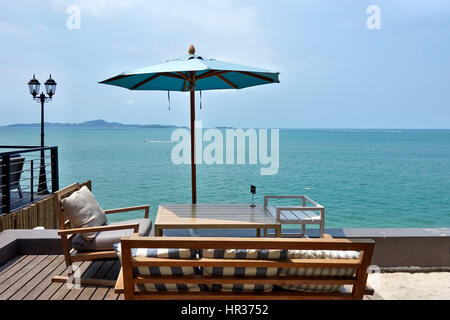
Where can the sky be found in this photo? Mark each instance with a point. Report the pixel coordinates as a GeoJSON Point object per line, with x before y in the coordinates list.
{"type": "Point", "coordinates": [335, 72]}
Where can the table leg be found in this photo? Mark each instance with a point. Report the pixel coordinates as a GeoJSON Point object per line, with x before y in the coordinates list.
{"type": "Point", "coordinates": [278, 232]}
{"type": "Point", "coordinates": [158, 232]}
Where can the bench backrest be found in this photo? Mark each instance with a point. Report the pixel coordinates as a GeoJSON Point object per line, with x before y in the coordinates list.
{"type": "Point", "coordinates": [358, 281]}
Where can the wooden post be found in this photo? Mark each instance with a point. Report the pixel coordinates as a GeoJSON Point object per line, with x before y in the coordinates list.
{"type": "Point", "coordinates": [5, 184]}
{"type": "Point", "coordinates": [54, 169]}
{"type": "Point", "coordinates": [31, 181]}
{"type": "Point", "coordinates": [193, 165]}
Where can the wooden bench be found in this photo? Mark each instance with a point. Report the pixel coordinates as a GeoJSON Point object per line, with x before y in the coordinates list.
{"type": "Point", "coordinates": [126, 281]}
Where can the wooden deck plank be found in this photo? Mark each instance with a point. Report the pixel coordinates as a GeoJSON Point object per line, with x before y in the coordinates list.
{"type": "Point", "coordinates": [100, 274]}
{"type": "Point", "coordinates": [10, 263]}
{"type": "Point", "coordinates": [50, 291]}
{"type": "Point", "coordinates": [52, 288]}
{"type": "Point", "coordinates": [20, 270]}
{"type": "Point", "coordinates": [38, 279]}
{"type": "Point", "coordinates": [88, 273]}
{"type": "Point", "coordinates": [27, 277]}
{"type": "Point", "coordinates": [61, 290]}
{"type": "Point", "coordinates": [112, 274]}
{"type": "Point", "coordinates": [47, 282]}
{"type": "Point", "coordinates": [111, 295]}
{"type": "Point", "coordinates": [15, 267]}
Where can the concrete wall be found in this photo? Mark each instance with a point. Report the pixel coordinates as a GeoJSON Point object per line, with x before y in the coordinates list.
{"type": "Point", "coordinates": [19, 242]}
{"type": "Point", "coordinates": [406, 247]}
{"type": "Point", "coordinates": [393, 247]}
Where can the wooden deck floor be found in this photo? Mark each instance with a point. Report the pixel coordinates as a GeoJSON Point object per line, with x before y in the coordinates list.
{"type": "Point", "coordinates": [29, 277]}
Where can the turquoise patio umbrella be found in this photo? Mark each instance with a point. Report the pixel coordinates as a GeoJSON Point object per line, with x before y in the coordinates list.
{"type": "Point", "coordinates": [193, 73]}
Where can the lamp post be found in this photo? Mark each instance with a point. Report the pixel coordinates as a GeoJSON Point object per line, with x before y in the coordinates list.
{"type": "Point", "coordinates": [50, 88]}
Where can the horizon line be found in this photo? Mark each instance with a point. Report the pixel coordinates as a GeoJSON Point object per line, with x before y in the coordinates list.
{"type": "Point", "coordinates": [15, 125]}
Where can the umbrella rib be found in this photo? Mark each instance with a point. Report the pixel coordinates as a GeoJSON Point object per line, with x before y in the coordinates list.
{"type": "Point", "coordinates": [145, 81]}
{"type": "Point", "coordinates": [183, 75]}
{"type": "Point", "coordinates": [256, 76]}
{"type": "Point", "coordinates": [227, 81]}
{"type": "Point", "coordinates": [172, 75]}
{"type": "Point", "coordinates": [211, 73]}
{"type": "Point", "coordinates": [121, 76]}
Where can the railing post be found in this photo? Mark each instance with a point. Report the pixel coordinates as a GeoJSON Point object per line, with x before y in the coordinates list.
{"type": "Point", "coordinates": [6, 184]}
{"type": "Point", "coordinates": [31, 181]}
{"type": "Point", "coordinates": [55, 170]}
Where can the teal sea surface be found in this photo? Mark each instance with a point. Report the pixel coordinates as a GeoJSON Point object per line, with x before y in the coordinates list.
{"type": "Point", "coordinates": [364, 178]}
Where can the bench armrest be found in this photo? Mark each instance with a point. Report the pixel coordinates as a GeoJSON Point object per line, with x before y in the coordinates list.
{"type": "Point", "coordinates": [305, 199]}
{"type": "Point", "coordinates": [134, 226]}
{"type": "Point", "coordinates": [144, 207]}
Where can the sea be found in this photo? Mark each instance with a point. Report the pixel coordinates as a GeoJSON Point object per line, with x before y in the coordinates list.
{"type": "Point", "coordinates": [363, 178]}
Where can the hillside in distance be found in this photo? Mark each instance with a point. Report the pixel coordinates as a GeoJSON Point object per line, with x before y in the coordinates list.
{"type": "Point", "coordinates": [94, 124]}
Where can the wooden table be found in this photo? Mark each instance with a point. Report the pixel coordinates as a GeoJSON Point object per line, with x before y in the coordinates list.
{"type": "Point", "coordinates": [214, 216]}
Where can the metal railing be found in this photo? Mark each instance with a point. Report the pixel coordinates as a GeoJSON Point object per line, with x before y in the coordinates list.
{"type": "Point", "coordinates": [27, 173]}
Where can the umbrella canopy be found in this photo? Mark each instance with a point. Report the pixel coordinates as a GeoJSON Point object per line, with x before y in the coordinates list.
{"type": "Point", "coordinates": [193, 73]}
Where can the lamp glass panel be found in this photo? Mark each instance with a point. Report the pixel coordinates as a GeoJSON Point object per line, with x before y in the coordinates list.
{"type": "Point", "coordinates": [34, 88]}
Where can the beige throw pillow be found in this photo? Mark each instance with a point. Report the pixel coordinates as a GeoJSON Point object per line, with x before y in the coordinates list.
{"type": "Point", "coordinates": [83, 211]}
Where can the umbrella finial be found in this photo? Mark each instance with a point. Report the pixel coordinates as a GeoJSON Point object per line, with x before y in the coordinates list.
{"type": "Point", "coordinates": [191, 49]}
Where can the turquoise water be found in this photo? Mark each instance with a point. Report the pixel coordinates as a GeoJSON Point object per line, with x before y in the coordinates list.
{"type": "Point", "coordinates": [364, 178]}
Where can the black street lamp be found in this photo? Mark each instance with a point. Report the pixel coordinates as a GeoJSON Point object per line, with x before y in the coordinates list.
{"type": "Point", "coordinates": [50, 88]}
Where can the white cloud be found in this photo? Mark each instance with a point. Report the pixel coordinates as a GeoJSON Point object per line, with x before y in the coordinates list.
{"type": "Point", "coordinates": [130, 102]}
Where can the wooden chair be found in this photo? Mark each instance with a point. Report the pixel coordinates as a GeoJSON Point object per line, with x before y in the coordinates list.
{"type": "Point", "coordinates": [67, 234]}
{"type": "Point", "coordinates": [310, 212]}
{"type": "Point", "coordinates": [127, 279]}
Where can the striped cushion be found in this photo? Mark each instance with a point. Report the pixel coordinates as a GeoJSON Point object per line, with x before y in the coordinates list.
{"type": "Point", "coordinates": [231, 271]}
{"type": "Point", "coordinates": [317, 272]}
{"type": "Point", "coordinates": [164, 271]}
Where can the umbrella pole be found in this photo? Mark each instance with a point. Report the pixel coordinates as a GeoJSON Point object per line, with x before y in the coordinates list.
{"type": "Point", "coordinates": [193, 165]}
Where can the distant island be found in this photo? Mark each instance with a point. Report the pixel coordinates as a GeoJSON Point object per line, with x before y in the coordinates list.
{"type": "Point", "coordinates": [94, 124]}
{"type": "Point", "coordinates": [97, 124]}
